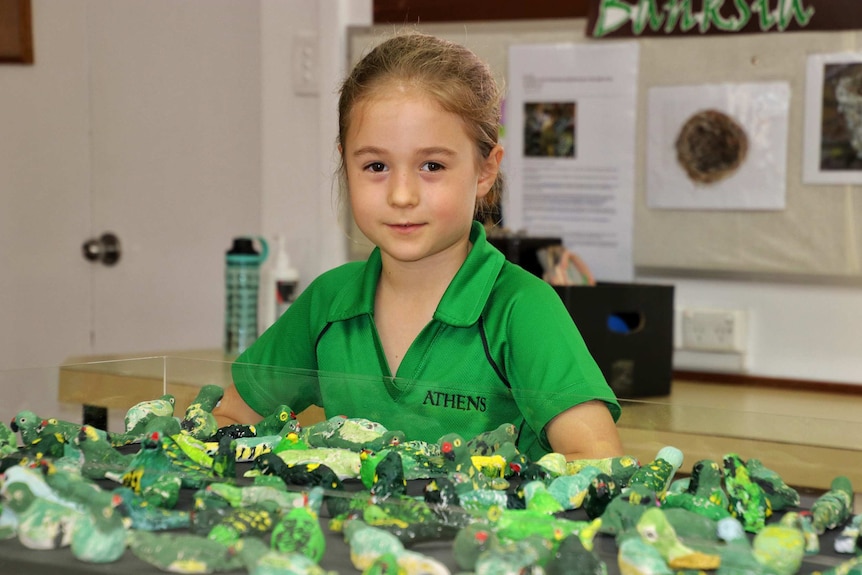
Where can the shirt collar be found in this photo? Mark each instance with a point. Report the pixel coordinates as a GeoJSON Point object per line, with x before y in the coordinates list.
{"type": "Point", "coordinates": [463, 301]}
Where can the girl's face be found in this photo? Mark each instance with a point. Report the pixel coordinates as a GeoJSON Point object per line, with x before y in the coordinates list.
{"type": "Point", "coordinates": [414, 175]}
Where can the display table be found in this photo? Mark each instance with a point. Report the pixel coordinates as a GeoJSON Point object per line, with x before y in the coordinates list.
{"type": "Point", "coordinates": [807, 438]}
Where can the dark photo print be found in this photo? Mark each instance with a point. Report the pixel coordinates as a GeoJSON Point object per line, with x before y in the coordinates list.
{"type": "Point", "coordinates": [841, 128]}
{"type": "Point", "coordinates": [549, 129]}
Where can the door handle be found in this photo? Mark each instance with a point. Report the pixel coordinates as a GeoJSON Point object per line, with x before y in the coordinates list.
{"type": "Point", "coordinates": [105, 249]}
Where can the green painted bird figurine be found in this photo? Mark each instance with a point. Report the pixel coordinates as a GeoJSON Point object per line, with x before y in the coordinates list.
{"type": "Point", "coordinates": [833, 507]}
{"type": "Point", "coordinates": [655, 530]}
{"type": "Point", "coordinates": [259, 559]}
{"type": "Point", "coordinates": [748, 502]}
{"type": "Point", "coordinates": [299, 530]}
{"type": "Point", "coordinates": [139, 414]}
{"type": "Point", "coordinates": [198, 420]}
{"type": "Point", "coordinates": [183, 552]}
{"type": "Point", "coordinates": [42, 523]}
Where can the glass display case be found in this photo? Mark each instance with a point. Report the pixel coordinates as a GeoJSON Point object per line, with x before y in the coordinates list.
{"type": "Point", "coordinates": [806, 443]}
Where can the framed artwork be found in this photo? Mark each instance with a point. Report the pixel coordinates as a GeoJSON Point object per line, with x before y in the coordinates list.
{"type": "Point", "coordinates": [16, 32]}
{"type": "Point", "coordinates": [833, 119]}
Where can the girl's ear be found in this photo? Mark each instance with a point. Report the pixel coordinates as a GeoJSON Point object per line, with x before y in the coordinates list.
{"type": "Point", "coordinates": [488, 170]}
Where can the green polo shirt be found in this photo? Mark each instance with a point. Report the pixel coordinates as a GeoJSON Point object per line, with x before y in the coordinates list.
{"type": "Point", "coordinates": [501, 348]}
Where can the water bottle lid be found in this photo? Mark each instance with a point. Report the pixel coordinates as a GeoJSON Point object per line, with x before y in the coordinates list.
{"type": "Point", "coordinates": [242, 246]}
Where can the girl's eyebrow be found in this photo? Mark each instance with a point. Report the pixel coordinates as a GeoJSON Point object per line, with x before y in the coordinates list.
{"type": "Point", "coordinates": [431, 151]}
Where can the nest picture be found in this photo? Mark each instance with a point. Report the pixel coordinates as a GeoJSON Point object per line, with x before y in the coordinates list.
{"type": "Point", "coordinates": [711, 146]}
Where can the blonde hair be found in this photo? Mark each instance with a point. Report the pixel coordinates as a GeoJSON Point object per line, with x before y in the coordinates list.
{"type": "Point", "coordinates": [450, 73]}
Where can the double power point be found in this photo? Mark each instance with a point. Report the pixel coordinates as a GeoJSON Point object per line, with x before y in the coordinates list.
{"type": "Point", "coordinates": [715, 330]}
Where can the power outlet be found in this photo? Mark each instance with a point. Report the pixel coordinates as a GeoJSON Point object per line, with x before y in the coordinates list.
{"type": "Point", "coordinates": [306, 64]}
{"type": "Point", "coordinates": [714, 330]}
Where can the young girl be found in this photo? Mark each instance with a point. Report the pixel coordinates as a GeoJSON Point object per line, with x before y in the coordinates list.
{"type": "Point", "coordinates": [436, 332]}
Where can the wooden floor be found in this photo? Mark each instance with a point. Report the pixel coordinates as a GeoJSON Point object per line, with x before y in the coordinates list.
{"type": "Point", "coordinates": [807, 437]}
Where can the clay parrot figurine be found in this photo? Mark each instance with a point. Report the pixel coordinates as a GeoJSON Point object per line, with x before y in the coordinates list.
{"type": "Point", "coordinates": [833, 507]}
{"type": "Point", "coordinates": [100, 537]}
{"type": "Point", "coordinates": [658, 474]}
{"type": "Point", "coordinates": [25, 423]}
{"type": "Point", "coordinates": [259, 559]}
{"type": "Point", "coordinates": [780, 546]}
{"type": "Point", "coordinates": [299, 531]}
{"type": "Point", "coordinates": [198, 420]}
{"type": "Point", "coordinates": [145, 516]}
{"type": "Point", "coordinates": [456, 455]}
{"type": "Point", "coordinates": [8, 440]}
{"type": "Point", "coordinates": [702, 493]}
{"type": "Point", "coordinates": [781, 496]}
{"type": "Point", "coordinates": [281, 421]}
{"type": "Point", "coordinates": [42, 523]}
{"type": "Point", "coordinates": [99, 456]}
{"type": "Point", "coordinates": [572, 558]}
{"type": "Point", "coordinates": [636, 557]}
{"type": "Point", "coordinates": [748, 502]}
{"type": "Point", "coordinates": [656, 531]}
{"type": "Point", "coordinates": [183, 552]}
{"type": "Point", "coordinates": [139, 414]}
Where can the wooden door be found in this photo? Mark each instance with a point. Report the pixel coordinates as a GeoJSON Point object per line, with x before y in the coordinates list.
{"type": "Point", "coordinates": [142, 118]}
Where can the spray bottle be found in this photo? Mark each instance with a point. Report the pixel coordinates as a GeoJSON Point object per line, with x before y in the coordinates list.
{"type": "Point", "coordinates": [281, 284]}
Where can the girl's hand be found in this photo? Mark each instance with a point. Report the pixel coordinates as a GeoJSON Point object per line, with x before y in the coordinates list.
{"type": "Point", "coordinates": [232, 410]}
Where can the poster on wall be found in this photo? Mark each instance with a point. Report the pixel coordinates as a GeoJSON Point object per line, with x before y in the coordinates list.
{"type": "Point", "coordinates": [718, 146]}
{"type": "Point", "coordinates": [833, 119]}
{"type": "Point", "coordinates": [570, 149]}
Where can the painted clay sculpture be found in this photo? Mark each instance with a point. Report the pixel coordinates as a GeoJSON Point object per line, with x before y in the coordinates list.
{"type": "Point", "coordinates": [8, 440]}
{"type": "Point", "coordinates": [100, 536]}
{"type": "Point", "coordinates": [656, 531]}
{"type": "Point", "coordinates": [183, 553]}
{"type": "Point", "coordinates": [144, 516]}
{"type": "Point", "coordinates": [368, 543]}
{"type": "Point", "coordinates": [572, 558]}
{"type": "Point", "coordinates": [42, 523]}
{"type": "Point", "coordinates": [344, 462]}
{"type": "Point", "coordinates": [456, 456]}
{"type": "Point", "coordinates": [849, 567]}
{"type": "Point", "coordinates": [780, 547]}
{"type": "Point", "coordinates": [281, 421]}
{"type": "Point", "coordinates": [834, 507]}
{"type": "Point", "coordinates": [354, 434]}
{"type": "Point", "coordinates": [554, 464]}
{"type": "Point", "coordinates": [539, 499]}
{"type": "Point", "coordinates": [198, 420]}
{"type": "Point", "coordinates": [25, 423]}
{"type": "Point", "coordinates": [748, 502]}
{"type": "Point", "coordinates": [623, 512]}
{"type": "Point", "coordinates": [570, 490]}
{"type": "Point", "coordinates": [99, 457]}
{"type": "Point", "coordinates": [658, 474]}
{"type": "Point", "coordinates": [849, 541]}
{"type": "Point", "coordinates": [298, 530]}
{"type": "Point", "coordinates": [299, 474]}
{"type": "Point", "coordinates": [512, 557]}
{"type": "Point", "coordinates": [472, 541]}
{"type": "Point", "coordinates": [781, 496]}
{"type": "Point", "coordinates": [701, 493]}
{"type": "Point", "coordinates": [620, 468]}
{"type": "Point", "coordinates": [227, 524]}
{"type": "Point", "coordinates": [602, 490]}
{"type": "Point", "coordinates": [259, 559]}
{"type": "Point", "coordinates": [270, 497]}
{"type": "Point", "coordinates": [166, 425]}
{"type": "Point", "coordinates": [636, 557]}
{"type": "Point", "coordinates": [139, 414]}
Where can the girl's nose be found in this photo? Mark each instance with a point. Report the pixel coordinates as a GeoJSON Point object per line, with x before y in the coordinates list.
{"type": "Point", "coordinates": [403, 191]}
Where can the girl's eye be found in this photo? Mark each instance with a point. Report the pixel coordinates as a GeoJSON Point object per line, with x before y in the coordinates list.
{"type": "Point", "coordinates": [432, 166]}
{"type": "Point", "coordinates": [376, 167]}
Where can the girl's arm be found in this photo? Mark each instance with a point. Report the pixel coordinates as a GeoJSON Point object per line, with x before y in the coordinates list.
{"type": "Point", "coordinates": [585, 431]}
{"type": "Point", "coordinates": [233, 410]}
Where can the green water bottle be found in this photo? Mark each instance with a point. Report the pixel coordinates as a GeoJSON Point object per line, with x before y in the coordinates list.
{"type": "Point", "coordinates": [242, 282]}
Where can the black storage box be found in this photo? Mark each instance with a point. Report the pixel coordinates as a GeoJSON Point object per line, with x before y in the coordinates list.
{"type": "Point", "coordinates": [628, 328]}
